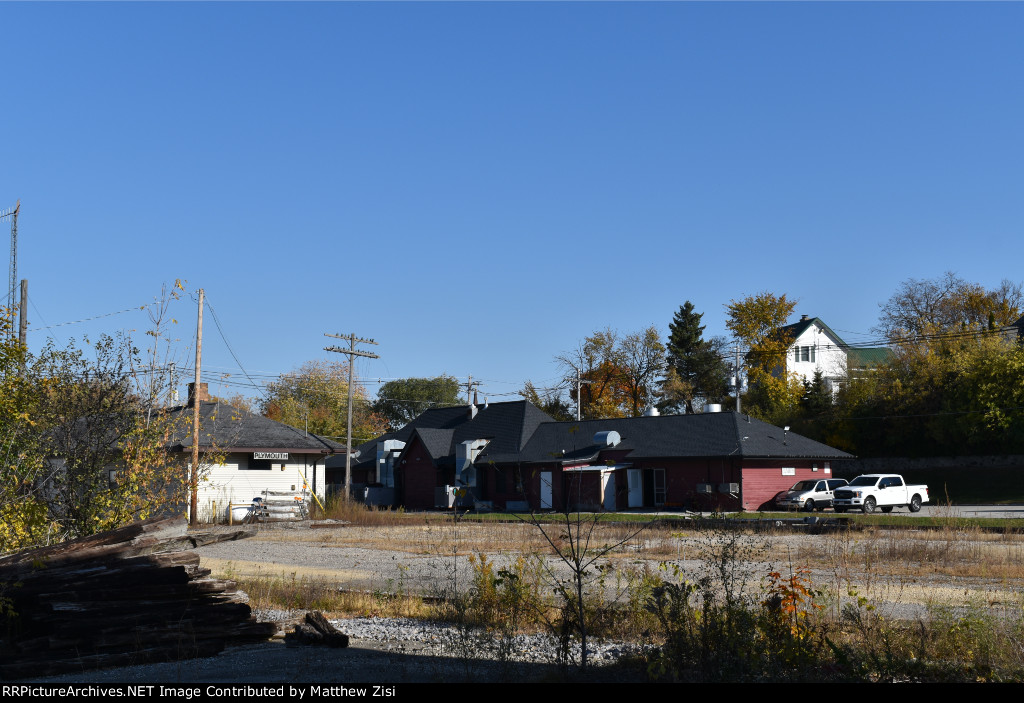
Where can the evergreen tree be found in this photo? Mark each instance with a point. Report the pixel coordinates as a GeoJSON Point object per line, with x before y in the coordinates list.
{"type": "Point", "coordinates": [696, 366]}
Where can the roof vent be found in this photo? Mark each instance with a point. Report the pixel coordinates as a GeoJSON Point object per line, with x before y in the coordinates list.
{"type": "Point", "coordinates": [652, 412]}
{"type": "Point", "coordinates": [472, 412]}
{"type": "Point", "coordinates": [609, 438]}
{"type": "Point", "coordinates": [804, 318]}
{"type": "Point", "coordinates": [712, 407]}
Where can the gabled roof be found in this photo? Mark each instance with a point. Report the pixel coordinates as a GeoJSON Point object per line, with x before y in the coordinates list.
{"type": "Point", "coordinates": [798, 328]}
{"type": "Point", "coordinates": [228, 428]}
{"type": "Point", "coordinates": [508, 426]}
{"type": "Point", "coordinates": [438, 443]}
{"type": "Point", "coordinates": [520, 433]}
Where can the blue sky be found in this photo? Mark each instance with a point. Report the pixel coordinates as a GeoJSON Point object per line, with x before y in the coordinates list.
{"type": "Point", "coordinates": [478, 186]}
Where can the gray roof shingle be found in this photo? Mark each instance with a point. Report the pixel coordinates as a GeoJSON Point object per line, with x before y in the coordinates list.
{"type": "Point", "coordinates": [229, 428]}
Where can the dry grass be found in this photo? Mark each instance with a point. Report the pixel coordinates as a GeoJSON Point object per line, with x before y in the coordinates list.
{"type": "Point", "coordinates": [963, 552]}
{"type": "Point", "coordinates": [314, 593]}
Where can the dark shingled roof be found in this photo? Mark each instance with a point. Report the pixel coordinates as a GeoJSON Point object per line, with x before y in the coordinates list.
{"type": "Point", "coordinates": [229, 428]}
{"type": "Point", "coordinates": [519, 432]}
{"type": "Point", "coordinates": [798, 328]}
{"type": "Point", "coordinates": [508, 425]}
{"type": "Point", "coordinates": [665, 436]}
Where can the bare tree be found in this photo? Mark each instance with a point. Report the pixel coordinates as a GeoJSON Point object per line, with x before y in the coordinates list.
{"type": "Point", "coordinates": [947, 304]}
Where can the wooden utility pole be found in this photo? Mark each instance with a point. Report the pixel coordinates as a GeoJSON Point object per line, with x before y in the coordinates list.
{"type": "Point", "coordinates": [739, 382]}
{"type": "Point", "coordinates": [352, 354]}
{"type": "Point", "coordinates": [471, 385]}
{"type": "Point", "coordinates": [193, 478]}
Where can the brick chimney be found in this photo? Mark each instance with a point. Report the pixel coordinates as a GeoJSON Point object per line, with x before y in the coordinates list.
{"type": "Point", "coordinates": [204, 393]}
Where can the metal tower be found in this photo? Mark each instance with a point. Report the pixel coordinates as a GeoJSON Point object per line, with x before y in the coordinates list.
{"type": "Point", "coordinates": [12, 291]}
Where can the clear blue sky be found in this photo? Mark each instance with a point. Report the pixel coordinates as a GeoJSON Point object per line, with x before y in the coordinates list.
{"type": "Point", "coordinates": [478, 186]}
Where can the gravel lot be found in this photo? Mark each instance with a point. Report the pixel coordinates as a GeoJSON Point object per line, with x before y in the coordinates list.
{"type": "Point", "coordinates": [391, 650]}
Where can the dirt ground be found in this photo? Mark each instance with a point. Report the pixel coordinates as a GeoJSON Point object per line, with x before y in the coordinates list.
{"type": "Point", "coordinates": [902, 573]}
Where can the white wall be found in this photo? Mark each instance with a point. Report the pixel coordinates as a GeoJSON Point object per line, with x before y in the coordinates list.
{"type": "Point", "coordinates": [829, 357]}
{"type": "Point", "coordinates": [227, 483]}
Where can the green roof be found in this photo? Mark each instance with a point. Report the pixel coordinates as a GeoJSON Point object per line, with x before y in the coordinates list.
{"type": "Point", "coordinates": [867, 357]}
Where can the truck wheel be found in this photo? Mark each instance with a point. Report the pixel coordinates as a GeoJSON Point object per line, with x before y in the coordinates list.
{"type": "Point", "coordinates": [869, 505]}
{"type": "Point", "coordinates": [886, 508]}
{"type": "Point", "coordinates": [809, 506]}
{"type": "Point", "coordinates": [915, 504]}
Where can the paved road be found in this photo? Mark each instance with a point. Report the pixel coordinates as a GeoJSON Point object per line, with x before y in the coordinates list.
{"type": "Point", "coordinates": [971, 511]}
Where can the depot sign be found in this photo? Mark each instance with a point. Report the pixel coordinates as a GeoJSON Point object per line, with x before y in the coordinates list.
{"type": "Point", "coordinates": [271, 456]}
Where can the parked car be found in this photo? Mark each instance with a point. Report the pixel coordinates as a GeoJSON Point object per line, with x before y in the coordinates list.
{"type": "Point", "coordinates": [810, 495]}
{"type": "Point", "coordinates": [883, 491]}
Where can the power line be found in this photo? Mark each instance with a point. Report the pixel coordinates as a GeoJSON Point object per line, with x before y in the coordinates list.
{"type": "Point", "coordinates": [216, 322]}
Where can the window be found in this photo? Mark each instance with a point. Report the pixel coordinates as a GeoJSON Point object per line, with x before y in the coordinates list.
{"type": "Point", "coordinates": [248, 463]}
{"type": "Point", "coordinates": [803, 353]}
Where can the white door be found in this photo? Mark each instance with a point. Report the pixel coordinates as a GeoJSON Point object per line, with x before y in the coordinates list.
{"type": "Point", "coordinates": [545, 490]}
{"type": "Point", "coordinates": [636, 488]}
{"type": "Point", "coordinates": [608, 489]}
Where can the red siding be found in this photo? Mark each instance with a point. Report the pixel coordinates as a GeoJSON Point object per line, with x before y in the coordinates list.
{"type": "Point", "coordinates": [419, 477]}
{"type": "Point", "coordinates": [764, 479]}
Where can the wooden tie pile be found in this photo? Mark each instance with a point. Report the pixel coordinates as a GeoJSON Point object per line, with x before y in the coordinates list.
{"type": "Point", "coordinates": [132, 595]}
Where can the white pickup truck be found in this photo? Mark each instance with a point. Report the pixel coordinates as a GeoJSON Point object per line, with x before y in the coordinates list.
{"type": "Point", "coordinates": [882, 491]}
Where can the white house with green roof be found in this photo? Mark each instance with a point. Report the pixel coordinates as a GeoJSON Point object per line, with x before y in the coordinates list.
{"type": "Point", "coordinates": [816, 347]}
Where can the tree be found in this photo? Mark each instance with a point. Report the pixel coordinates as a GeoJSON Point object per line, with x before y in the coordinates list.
{"type": "Point", "coordinates": [314, 397]}
{"type": "Point", "coordinates": [236, 400]}
{"type": "Point", "coordinates": [695, 368]}
{"type": "Point", "coordinates": [817, 398]}
{"type": "Point", "coordinates": [756, 321]}
{"type": "Point", "coordinates": [619, 374]}
{"type": "Point", "coordinates": [551, 402]}
{"type": "Point", "coordinates": [947, 304]}
{"type": "Point", "coordinates": [399, 402]}
{"type": "Point", "coordinates": [597, 362]}
{"type": "Point", "coordinates": [951, 395]}
{"type": "Point", "coordinates": [643, 361]}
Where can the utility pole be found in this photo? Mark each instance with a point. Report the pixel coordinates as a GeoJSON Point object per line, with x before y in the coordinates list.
{"type": "Point", "coordinates": [193, 479]}
{"type": "Point", "coordinates": [352, 353]}
{"type": "Point", "coordinates": [739, 381]}
{"type": "Point", "coordinates": [471, 385]}
{"type": "Point", "coordinates": [579, 393]}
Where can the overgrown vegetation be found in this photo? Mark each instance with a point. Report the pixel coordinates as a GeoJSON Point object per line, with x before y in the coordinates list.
{"type": "Point", "coordinates": [712, 605]}
{"type": "Point", "coordinates": [83, 441]}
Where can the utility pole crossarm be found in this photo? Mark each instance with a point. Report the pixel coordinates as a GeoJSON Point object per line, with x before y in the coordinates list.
{"type": "Point", "coordinates": [352, 352]}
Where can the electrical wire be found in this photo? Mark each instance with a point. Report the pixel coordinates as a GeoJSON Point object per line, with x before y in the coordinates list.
{"type": "Point", "coordinates": [234, 356]}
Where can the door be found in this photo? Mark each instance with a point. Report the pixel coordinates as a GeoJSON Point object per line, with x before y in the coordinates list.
{"type": "Point", "coordinates": [545, 490]}
{"type": "Point", "coordinates": [608, 490]}
{"type": "Point", "coordinates": [659, 487]}
{"type": "Point", "coordinates": [636, 488]}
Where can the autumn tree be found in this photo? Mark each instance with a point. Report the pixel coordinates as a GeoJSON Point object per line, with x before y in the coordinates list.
{"type": "Point", "coordinates": [643, 362]}
{"type": "Point", "coordinates": [315, 397]}
{"type": "Point", "coordinates": [551, 400]}
{"type": "Point", "coordinates": [619, 375]}
{"type": "Point", "coordinates": [23, 513]}
{"type": "Point", "coordinates": [695, 367]}
{"type": "Point", "coordinates": [948, 304]}
{"type": "Point", "coordinates": [237, 400]}
{"type": "Point", "coordinates": [756, 322]}
{"type": "Point", "coordinates": [953, 396]}
{"type": "Point", "coordinates": [401, 401]}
